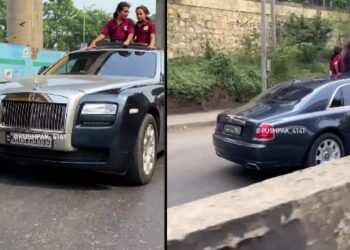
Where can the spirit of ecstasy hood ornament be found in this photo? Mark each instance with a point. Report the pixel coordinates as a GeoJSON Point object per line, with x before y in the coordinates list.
{"type": "Point", "coordinates": [37, 86]}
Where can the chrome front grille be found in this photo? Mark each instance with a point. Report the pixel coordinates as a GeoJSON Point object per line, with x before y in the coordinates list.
{"type": "Point", "coordinates": [33, 115]}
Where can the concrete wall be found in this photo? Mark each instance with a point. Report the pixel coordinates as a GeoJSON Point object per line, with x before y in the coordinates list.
{"type": "Point", "coordinates": [20, 62]}
{"type": "Point", "coordinates": [191, 23]}
{"type": "Point", "coordinates": [307, 209]}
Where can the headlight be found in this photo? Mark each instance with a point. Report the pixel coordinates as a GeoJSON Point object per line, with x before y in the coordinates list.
{"type": "Point", "coordinates": [99, 109]}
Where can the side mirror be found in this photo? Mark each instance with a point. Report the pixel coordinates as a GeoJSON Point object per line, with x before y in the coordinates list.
{"type": "Point", "coordinates": [42, 69]}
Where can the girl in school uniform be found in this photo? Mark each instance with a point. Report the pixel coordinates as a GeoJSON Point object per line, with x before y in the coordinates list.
{"type": "Point", "coordinates": [145, 30]}
{"type": "Point", "coordinates": [336, 64]}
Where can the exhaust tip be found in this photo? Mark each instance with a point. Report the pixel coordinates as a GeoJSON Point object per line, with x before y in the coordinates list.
{"type": "Point", "coordinates": [253, 166]}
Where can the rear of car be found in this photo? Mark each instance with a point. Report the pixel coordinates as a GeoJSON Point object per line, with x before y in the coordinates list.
{"type": "Point", "coordinates": [270, 131]}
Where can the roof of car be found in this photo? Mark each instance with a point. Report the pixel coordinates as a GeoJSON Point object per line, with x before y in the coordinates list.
{"type": "Point", "coordinates": [140, 47]}
{"type": "Point", "coordinates": [317, 82]}
{"type": "Point", "coordinates": [112, 49]}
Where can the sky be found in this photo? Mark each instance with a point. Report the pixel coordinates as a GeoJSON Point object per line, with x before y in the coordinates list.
{"type": "Point", "coordinates": [111, 5]}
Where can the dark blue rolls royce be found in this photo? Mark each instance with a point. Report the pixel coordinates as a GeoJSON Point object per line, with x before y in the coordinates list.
{"type": "Point", "coordinates": [101, 109]}
{"type": "Point", "coordinates": [300, 123]}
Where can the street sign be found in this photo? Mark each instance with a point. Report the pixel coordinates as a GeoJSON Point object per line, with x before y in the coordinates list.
{"type": "Point", "coordinates": [8, 75]}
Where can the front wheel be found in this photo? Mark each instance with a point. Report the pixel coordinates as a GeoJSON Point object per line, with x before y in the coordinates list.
{"type": "Point", "coordinates": [326, 147]}
{"type": "Point", "coordinates": [145, 153]}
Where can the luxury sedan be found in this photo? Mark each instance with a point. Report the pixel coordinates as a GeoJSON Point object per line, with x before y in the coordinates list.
{"type": "Point", "coordinates": [100, 108]}
{"type": "Point", "coordinates": [297, 124]}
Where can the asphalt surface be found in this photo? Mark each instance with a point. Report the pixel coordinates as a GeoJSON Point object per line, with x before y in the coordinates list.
{"type": "Point", "coordinates": [59, 208]}
{"type": "Point", "coordinates": [194, 171]}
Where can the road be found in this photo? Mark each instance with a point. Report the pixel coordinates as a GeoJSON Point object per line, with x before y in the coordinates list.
{"type": "Point", "coordinates": [195, 172]}
{"type": "Point", "coordinates": [58, 208]}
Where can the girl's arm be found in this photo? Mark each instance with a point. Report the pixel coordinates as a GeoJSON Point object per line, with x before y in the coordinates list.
{"type": "Point", "coordinates": [97, 39]}
{"type": "Point", "coordinates": [129, 39]}
{"type": "Point", "coordinates": [152, 43]}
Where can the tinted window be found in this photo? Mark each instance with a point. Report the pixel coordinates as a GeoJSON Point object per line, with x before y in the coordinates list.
{"type": "Point", "coordinates": [74, 64]}
{"type": "Point", "coordinates": [346, 95]}
{"type": "Point", "coordinates": [286, 94]}
{"type": "Point", "coordinates": [130, 64]}
{"type": "Point", "coordinates": [108, 63]}
{"type": "Point", "coordinates": [338, 99]}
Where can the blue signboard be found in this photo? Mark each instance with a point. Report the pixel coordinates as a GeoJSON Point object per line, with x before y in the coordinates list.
{"type": "Point", "coordinates": [18, 62]}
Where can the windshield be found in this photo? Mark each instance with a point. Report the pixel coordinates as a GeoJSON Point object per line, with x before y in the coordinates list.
{"type": "Point", "coordinates": [107, 63]}
{"type": "Point", "coordinates": [286, 94]}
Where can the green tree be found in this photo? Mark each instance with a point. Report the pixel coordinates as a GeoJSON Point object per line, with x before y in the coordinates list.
{"type": "Point", "coordinates": [3, 13]}
{"type": "Point", "coordinates": [153, 17]}
{"type": "Point", "coordinates": [63, 25]}
{"type": "Point", "coordinates": [95, 20]}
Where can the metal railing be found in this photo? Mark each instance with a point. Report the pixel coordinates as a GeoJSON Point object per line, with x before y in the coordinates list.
{"type": "Point", "coordinates": [313, 3]}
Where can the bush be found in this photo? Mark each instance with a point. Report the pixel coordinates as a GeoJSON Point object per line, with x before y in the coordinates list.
{"type": "Point", "coordinates": [250, 43]}
{"type": "Point", "coordinates": [298, 30]}
{"type": "Point", "coordinates": [194, 79]}
{"type": "Point", "coordinates": [244, 82]}
{"type": "Point", "coordinates": [298, 61]}
{"type": "Point", "coordinates": [209, 52]}
{"type": "Point", "coordinates": [284, 64]}
{"type": "Point", "coordinates": [188, 81]}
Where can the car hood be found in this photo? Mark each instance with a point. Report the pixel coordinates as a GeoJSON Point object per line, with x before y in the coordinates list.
{"type": "Point", "coordinates": [60, 84]}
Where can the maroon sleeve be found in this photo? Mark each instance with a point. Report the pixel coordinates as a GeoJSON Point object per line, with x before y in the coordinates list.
{"type": "Point", "coordinates": [341, 64]}
{"type": "Point", "coordinates": [131, 26]}
{"type": "Point", "coordinates": [105, 29]}
{"type": "Point", "coordinates": [152, 28]}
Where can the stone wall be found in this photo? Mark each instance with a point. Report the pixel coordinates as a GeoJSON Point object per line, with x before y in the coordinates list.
{"type": "Point", "coordinates": [304, 210]}
{"type": "Point", "coordinates": [224, 23]}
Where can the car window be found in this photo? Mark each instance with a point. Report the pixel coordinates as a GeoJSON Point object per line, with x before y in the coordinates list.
{"type": "Point", "coordinates": [107, 63]}
{"type": "Point", "coordinates": [140, 64]}
{"type": "Point", "coordinates": [66, 68]}
{"type": "Point", "coordinates": [338, 99]}
{"type": "Point", "coordinates": [346, 95]}
{"type": "Point", "coordinates": [286, 94]}
{"type": "Point", "coordinates": [77, 63]}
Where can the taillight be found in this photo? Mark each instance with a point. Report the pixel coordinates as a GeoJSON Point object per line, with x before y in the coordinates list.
{"type": "Point", "coordinates": [265, 133]}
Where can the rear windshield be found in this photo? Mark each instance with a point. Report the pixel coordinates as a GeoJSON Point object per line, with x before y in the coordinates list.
{"type": "Point", "coordinates": [290, 94]}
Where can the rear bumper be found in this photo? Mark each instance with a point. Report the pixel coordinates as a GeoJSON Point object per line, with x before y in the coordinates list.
{"type": "Point", "coordinates": [262, 155]}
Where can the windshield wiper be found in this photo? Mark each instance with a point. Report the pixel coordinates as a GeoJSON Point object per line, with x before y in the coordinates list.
{"type": "Point", "coordinates": [82, 72]}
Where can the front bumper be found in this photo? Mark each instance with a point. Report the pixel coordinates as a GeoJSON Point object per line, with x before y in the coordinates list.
{"type": "Point", "coordinates": [84, 158]}
{"type": "Point", "coordinates": [261, 155]}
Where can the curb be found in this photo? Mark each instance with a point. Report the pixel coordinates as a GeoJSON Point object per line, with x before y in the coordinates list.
{"type": "Point", "coordinates": [190, 125]}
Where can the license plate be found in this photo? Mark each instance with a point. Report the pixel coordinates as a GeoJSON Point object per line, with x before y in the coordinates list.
{"type": "Point", "coordinates": [232, 129]}
{"type": "Point", "coordinates": [30, 140]}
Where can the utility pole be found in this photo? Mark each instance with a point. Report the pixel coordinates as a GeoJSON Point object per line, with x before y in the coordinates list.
{"type": "Point", "coordinates": [263, 46]}
{"type": "Point", "coordinates": [25, 22]}
{"type": "Point", "coordinates": [84, 21]}
{"type": "Point", "coordinates": [160, 23]}
{"type": "Point", "coordinates": [273, 25]}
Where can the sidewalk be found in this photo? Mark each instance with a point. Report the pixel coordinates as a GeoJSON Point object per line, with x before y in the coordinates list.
{"type": "Point", "coordinates": [190, 120]}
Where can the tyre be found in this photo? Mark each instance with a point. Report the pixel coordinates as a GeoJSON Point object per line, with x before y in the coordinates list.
{"type": "Point", "coordinates": [144, 155]}
{"type": "Point", "coordinates": [325, 148]}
